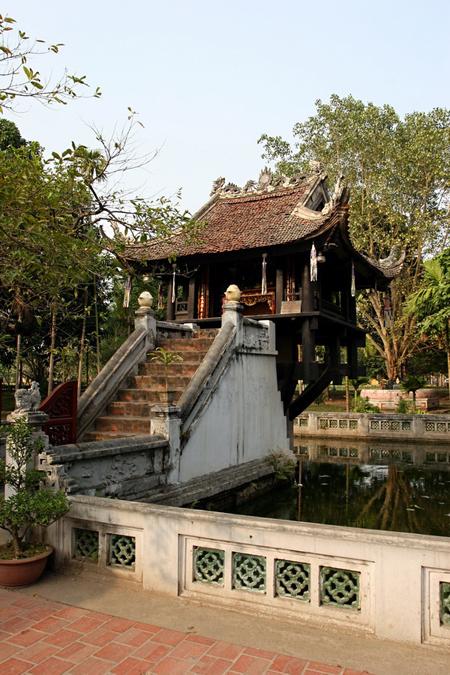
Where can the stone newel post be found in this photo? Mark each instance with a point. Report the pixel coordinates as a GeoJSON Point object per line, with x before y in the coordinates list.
{"type": "Point", "coordinates": [145, 317]}
{"type": "Point", "coordinates": [232, 309]}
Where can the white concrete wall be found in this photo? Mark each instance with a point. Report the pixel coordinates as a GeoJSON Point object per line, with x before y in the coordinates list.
{"type": "Point", "coordinates": [244, 419]}
{"type": "Point", "coordinates": [400, 574]}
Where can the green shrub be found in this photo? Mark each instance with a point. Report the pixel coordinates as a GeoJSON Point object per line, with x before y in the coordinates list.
{"type": "Point", "coordinates": [284, 465]}
{"type": "Point", "coordinates": [403, 406]}
{"type": "Point", "coordinates": [362, 405]}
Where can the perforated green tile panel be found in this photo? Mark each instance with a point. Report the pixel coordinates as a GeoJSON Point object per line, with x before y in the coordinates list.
{"type": "Point", "coordinates": [122, 550]}
{"type": "Point", "coordinates": [444, 595]}
{"type": "Point", "coordinates": [339, 588]}
{"type": "Point", "coordinates": [85, 545]}
{"type": "Point", "coordinates": [249, 572]}
{"type": "Point", "coordinates": [292, 579]}
{"type": "Point", "coordinates": [208, 565]}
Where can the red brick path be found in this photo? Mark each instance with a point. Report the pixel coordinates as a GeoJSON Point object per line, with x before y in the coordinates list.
{"type": "Point", "coordinates": [40, 636]}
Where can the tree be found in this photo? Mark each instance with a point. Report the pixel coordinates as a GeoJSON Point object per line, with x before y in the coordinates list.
{"type": "Point", "coordinates": [399, 174]}
{"type": "Point", "coordinates": [19, 78]}
{"type": "Point", "coordinates": [62, 225]}
{"type": "Point", "coordinates": [430, 304]}
{"type": "Point", "coordinates": [10, 135]}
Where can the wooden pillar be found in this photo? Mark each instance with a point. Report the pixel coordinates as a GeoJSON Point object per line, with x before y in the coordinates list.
{"type": "Point", "coordinates": [352, 355]}
{"type": "Point", "coordinates": [308, 336]}
{"type": "Point", "coordinates": [349, 305]}
{"type": "Point", "coordinates": [307, 295]}
{"type": "Point", "coordinates": [191, 298]}
{"type": "Point", "coordinates": [352, 309]}
{"type": "Point", "coordinates": [171, 292]}
{"type": "Point", "coordinates": [278, 290]}
{"type": "Point", "coordinates": [203, 294]}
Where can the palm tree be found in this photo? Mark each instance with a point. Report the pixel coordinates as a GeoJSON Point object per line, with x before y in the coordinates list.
{"type": "Point", "coordinates": [431, 303]}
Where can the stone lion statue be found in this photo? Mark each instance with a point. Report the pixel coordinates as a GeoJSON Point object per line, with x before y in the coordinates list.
{"type": "Point", "coordinates": [28, 400]}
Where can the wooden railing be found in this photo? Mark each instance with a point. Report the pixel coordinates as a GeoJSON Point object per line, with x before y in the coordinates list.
{"type": "Point", "coordinates": [61, 407]}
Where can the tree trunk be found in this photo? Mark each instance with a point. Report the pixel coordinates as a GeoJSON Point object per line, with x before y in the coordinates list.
{"type": "Point", "coordinates": [347, 395]}
{"type": "Point", "coordinates": [394, 337]}
{"type": "Point", "coordinates": [51, 363]}
{"type": "Point", "coordinates": [81, 353]}
{"type": "Point", "coordinates": [18, 361]}
{"type": "Point", "coordinates": [97, 336]}
{"type": "Point", "coordinates": [448, 373]}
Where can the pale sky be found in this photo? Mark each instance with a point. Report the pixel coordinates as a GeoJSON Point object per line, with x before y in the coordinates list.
{"type": "Point", "coordinates": [208, 78]}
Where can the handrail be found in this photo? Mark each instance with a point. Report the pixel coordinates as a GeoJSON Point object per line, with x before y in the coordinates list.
{"type": "Point", "coordinates": [213, 357]}
{"type": "Point", "coordinates": [114, 372]}
{"type": "Point", "coordinates": [177, 327]}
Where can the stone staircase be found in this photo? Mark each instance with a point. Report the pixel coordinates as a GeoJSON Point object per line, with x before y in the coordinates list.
{"type": "Point", "coordinates": [155, 383]}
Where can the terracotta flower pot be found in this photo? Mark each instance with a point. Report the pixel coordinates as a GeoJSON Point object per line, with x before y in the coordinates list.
{"type": "Point", "coordinates": [24, 571]}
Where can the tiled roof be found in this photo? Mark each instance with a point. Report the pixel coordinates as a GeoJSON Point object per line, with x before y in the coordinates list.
{"type": "Point", "coordinates": [235, 223]}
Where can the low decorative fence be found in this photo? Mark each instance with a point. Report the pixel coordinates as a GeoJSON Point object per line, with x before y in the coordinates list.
{"type": "Point", "coordinates": [352, 577]}
{"type": "Point", "coordinates": [374, 425]}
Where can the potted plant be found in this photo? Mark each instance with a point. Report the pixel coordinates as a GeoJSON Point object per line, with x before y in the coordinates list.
{"type": "Point", "coordinates": [29, 504]}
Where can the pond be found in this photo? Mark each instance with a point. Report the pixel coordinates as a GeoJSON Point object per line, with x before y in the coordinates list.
{"type": "Point", "coordinates": [398, 487]}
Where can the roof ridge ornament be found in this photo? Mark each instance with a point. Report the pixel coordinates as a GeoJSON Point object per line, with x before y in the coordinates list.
{"type": "Point", "coordinates": [396, 257]}
{"type": "Point", "coordinates": [268, 181]}
{"type": "Point", "coordinates": [265, 178]}
{"type": "Point", "coordinates": [336, 197]}
{"type": "Point", "coordinates": [217, 186]}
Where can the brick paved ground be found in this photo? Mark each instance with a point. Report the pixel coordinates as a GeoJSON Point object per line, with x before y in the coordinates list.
{"type": "Point", "coordinates": [48, 638]}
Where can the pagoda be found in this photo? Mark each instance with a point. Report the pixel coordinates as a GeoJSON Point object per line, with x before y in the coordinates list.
{"type": "Point", "coordinates": [284, 241]}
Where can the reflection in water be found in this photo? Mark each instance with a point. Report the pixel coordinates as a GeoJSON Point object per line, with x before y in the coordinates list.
{"type": "Point", "coordinates": [388, 495]}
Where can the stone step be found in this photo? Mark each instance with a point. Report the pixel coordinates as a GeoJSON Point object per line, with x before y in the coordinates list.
{"type": "Point", "coordinates": [189, 359]}
{"type": "Point", "coordinates": [131, 394]}
{"type": "Point", "coordinates": [147, 396]}
{"type": "Point", "coordinates": [158, 381]}
{"type": "Point", "coordinates": [194, 345]}
{"type": "Point", "coordinates": [161, 381]}
{"type": "Point", "coordinates": [130, 408]}
{"type": "Point", "coordinates": [173, 369]}
{"type": "Point", "coordinates": [129, 401]}
{"type": "Point", "coordinates": [130, 425]}
{"type": "Point", "coordinates": [151, 382]}
{"type": "Point", "coordinates": [105, 435]}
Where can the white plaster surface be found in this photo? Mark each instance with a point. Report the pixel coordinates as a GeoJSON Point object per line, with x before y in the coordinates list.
{"type": "Point", "coordinates": [243, 419]}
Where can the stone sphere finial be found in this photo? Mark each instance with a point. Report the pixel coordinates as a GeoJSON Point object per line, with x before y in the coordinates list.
{"type": "Point", "coordinates": [233, 293]}
{"type": "Point", "coordinates": [145, 299]}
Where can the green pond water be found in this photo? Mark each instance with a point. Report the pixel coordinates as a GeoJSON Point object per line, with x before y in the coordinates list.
{"type": "Point", "coordinates": [402, 488]}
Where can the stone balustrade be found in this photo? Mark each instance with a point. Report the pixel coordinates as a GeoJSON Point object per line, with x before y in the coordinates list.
{"type": "Point", "coordinates": [394, 585]}
{"type": "Point", "coordinates": [374, 425]}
